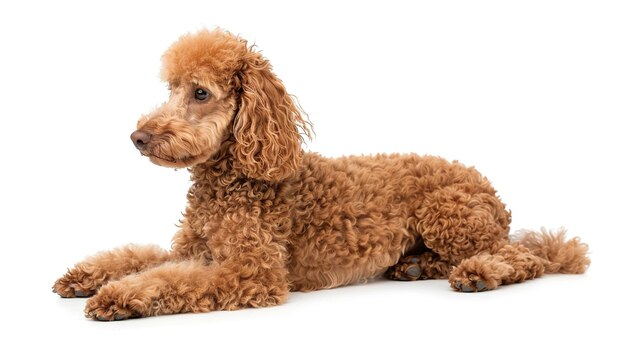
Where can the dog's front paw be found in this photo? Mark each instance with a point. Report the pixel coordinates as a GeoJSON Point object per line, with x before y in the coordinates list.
{"type": "Point", "coordinates": [116, 301]}
{"type": "Point", "coordinates": [76, 283]}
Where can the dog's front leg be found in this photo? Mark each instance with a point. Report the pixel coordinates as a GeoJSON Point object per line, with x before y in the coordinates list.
{"type": "Point", "coordinates": [248, 271]}
{"type": "Point", "coordinates": [86, 277]}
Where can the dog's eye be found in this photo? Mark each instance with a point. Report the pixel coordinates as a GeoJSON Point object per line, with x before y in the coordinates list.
{"type": "Point", "coordinates": [201, 94]}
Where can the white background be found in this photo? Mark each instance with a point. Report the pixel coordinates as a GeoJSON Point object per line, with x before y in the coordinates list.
{"type": "Point", "coordinates": [532, 93]}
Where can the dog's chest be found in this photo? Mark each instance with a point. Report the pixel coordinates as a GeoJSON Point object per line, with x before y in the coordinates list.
{"type": "Point", "coordinates": [228, 220]}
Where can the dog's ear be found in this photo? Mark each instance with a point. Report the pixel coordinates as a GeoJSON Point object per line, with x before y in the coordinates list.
{"type": "Point", "coordinates": [268, 127]}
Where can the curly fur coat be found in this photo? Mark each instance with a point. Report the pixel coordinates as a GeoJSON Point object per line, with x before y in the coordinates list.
{"type": "Point", "coordinates": [265, 218]}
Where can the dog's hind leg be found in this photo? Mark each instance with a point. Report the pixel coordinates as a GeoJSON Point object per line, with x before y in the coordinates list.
{"type": "Point", "coordinates": [86, 277]}
{"type": "Point", "coordinates": [530, 257]}
{"type": "Point", "coordinates": [510, 264]}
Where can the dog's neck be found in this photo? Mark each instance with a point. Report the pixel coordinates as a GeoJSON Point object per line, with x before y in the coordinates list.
{"type": "Point", "coordinates": [221, 171]}
{"type": "Point", "coordinates": [218, 168]}
{"type": "Point", "coordinates": [222, 175]}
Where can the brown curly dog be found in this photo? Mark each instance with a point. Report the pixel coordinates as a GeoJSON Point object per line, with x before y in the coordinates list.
{"type": "Point", "coordinates": [265, 218]}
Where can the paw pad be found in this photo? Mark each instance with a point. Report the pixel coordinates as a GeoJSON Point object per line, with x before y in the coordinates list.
{"type": "Point", "coordinates": [80, 293]}
{"type": "Point", "coordinates": [108, 317]}
{"type": "Point", "coordinates": [471, 286]}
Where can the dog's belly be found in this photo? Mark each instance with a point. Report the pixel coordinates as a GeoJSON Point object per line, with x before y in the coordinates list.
{"type": "Point", "coordinates": [331, 258]}
{"type": "Point", "coordinates": [354, 217]}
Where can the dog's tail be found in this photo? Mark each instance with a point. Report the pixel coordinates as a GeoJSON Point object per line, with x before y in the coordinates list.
{"type": "Point", "coordinates": [563, 256]}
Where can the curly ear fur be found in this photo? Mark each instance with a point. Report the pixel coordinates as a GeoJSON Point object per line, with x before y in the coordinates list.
{"type": "Point", "coordinates": [268, 124]}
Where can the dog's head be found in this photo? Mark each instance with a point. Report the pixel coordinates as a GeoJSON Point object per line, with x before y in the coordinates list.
{"type": "Point", "coordinates": [224, 99]}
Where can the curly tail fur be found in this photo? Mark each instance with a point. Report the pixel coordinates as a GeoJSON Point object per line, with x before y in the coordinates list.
{"type": "Point", "coordinates": [564, 256]}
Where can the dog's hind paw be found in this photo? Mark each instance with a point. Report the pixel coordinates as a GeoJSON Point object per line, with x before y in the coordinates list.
{"type": "Point", "coordinates": [472, 277]}
{"type": "Point", "coordinates": [470, 286]}
{"type": "Point", "coordinates": [407, 269]}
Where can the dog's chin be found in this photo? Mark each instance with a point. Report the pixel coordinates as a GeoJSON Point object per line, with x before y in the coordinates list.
{"type": "Point", "coordinates": [175, 162]}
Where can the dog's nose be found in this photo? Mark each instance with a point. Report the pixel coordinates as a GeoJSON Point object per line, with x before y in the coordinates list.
{"type": "Point", "coordinates": [140, 139]}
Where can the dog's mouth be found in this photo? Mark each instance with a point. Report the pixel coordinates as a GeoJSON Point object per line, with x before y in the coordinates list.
{"type": "Point", "coordinates": [162, 158]}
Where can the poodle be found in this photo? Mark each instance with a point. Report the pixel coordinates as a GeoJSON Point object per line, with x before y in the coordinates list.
{"type": "Point", "coordinates": [265, 218]}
